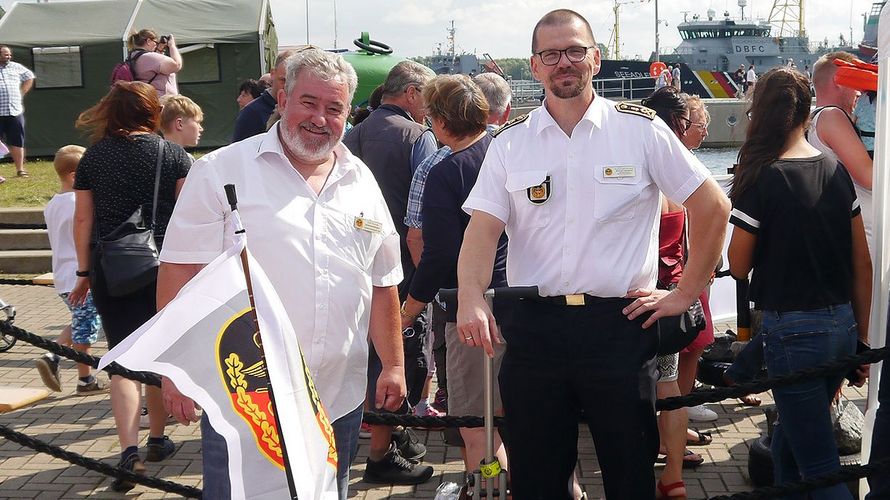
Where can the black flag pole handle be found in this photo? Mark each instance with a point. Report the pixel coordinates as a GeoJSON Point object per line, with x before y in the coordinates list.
{"type": "Point", "coordinates": [232, 199]}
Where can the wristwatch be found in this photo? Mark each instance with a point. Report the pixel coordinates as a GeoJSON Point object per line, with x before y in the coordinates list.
{"type": "Point", "coordinates": [82, 274]}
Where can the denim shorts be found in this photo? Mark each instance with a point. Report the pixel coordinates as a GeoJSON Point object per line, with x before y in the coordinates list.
{"type": "Point", "coordinates": [85, 320]}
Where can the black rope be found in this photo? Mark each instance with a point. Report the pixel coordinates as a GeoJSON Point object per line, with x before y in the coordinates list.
{"type": "Point", "coordinates": [67, 352]}
{"type": "Point", "coordinates": [843, 475]}
{"type": "Point", "coordinates": [18, 282]}
{"type": "Point", "coordinates": [95, 465]}
{"type": "Point", "coordinates": [13, 225]}
{"type": "Point", "coordinates": [841, 365]}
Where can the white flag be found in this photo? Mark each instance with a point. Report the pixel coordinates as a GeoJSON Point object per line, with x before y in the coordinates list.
{"type": "Point", "coordinates": [205, 340]}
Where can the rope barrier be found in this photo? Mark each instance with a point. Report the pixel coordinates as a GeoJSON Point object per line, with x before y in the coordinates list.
{"type": "Point", "coordinates": [846, 473]}
{"type": "Point", "coordinates": [18, 282]}
{"type": "Point", "coordinates": [77, 356]}
{"type": "Point", "coordinates": [95, 465]}
{"type": "Point", "coordinates": [844, 364]}
{"type": "Point", "coordinates": [13, 225]}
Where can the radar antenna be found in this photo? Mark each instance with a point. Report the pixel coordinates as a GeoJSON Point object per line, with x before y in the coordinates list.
{"type": "Point", "coordinates": [788, 17]}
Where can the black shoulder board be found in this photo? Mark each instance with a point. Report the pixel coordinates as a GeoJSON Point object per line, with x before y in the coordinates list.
{"type": "Point", "coordinates": [635, 109]}
{"type": "Point", "coordinates": [514, 121]}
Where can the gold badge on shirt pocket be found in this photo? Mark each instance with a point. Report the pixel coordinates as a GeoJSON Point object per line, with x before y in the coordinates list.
{"type": "Point", "coordinates": [539, 194]}
{"type": "Point", "coordinates": [365, 224]}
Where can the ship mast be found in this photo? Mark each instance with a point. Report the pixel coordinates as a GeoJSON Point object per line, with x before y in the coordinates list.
{"type": "Point", "coordinates": [616, 48]}
{"type": "Point", "coordinates": [786, 15]}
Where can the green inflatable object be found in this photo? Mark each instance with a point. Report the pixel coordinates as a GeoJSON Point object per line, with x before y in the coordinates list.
{"type": "Point", "coordinates": [372, 62]}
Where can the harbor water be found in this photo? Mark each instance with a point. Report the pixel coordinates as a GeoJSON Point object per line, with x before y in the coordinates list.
{"type": "Point", "coordinates": [718, 160]}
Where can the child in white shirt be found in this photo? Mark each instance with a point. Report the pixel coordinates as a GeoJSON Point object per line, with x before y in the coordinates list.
{"type": "Point", "coordinates": [83, 331]}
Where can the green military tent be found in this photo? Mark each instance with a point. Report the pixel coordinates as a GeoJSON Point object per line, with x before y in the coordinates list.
{"type": "Point", "coordinates": [72, 47]}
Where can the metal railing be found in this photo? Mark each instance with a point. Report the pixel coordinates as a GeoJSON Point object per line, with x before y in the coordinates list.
{"type": "Point", "coordinates": [610, 88]}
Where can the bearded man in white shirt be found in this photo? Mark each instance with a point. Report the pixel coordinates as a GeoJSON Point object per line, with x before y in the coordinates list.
{"type": "Point", "coordinates": [317, 222]}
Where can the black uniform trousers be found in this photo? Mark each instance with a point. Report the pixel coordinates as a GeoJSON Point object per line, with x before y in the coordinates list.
{"type": "Point", "coordinates": [562, 359]}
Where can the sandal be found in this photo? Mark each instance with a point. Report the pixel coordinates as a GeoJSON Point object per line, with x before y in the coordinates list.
{"type": "Point", "coordinates": [701, 439]}
{"type": "Point", "coordinates": [666, 489]}
{"type": "Point", "coordinates": [750, 400]}
{"type": "Point", "coordinates": [22, 173]}
{"type": "Point", "coordinates": [691, 460]}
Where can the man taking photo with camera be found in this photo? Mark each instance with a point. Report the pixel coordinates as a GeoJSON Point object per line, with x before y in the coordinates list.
{"type": "Point", "coordinates": [153, 66]}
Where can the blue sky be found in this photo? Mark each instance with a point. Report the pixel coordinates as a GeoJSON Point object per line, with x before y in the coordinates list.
{"type": "Point", "coordinates": [502, 28]}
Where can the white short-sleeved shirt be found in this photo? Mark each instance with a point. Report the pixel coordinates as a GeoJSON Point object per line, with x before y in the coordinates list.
{"type": "Point", "coordinates": [751, 76]}
{"type": "Point", "coordinates": [59, 216]}
{"type": "Point", "coordinates": [597, 230]}
{"type": "Point", "coordinates": [321, 264]}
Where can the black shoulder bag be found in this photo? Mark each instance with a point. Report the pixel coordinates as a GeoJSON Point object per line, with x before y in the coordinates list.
{"type": "Point", "coordinates": [128, 255]}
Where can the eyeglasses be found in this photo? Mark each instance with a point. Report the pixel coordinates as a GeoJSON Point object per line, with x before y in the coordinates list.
{"type": "Point", "coordinates": [686, 122]}
{"type": "Point", "coordinates": [551, 57]}
{"type": "Point", "coordinates": [701, 126]}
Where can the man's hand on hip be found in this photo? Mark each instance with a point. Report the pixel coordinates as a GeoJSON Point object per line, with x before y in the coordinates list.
{"type": "Point", "coordinates": [391, 389]}
{"type": "Point", "coordinates": [661, 303]}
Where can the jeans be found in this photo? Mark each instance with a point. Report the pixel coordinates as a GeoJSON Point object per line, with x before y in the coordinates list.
{"type": "Point", "coordinates": [346, 430]}
{"type": "Point", "coordinates": [216, 457]}
{"type": "Point", "coordinates": [803, 444]}
{"type": "Point", "coordinates": [215, 460]}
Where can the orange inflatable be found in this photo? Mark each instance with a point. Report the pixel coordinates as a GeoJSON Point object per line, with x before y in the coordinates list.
{"type": "Point", "coordinates": [856, 75]}
{"type": "Point", "coordinates": [656, 68]}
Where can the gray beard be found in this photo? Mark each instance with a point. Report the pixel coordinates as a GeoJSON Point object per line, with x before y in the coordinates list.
{"type": "Point", "coordinates": [302, 150]}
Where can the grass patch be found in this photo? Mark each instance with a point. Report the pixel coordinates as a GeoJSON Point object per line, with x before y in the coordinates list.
{"type": "Point", "coordinates": [33, 191]}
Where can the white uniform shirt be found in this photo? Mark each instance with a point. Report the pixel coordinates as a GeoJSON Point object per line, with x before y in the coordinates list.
{"type": "Point", "coordinates": [597, 232]}
{"type": "Point", "coordinates": [322, 266]}
{"type": "Point", "coordinates": [59, 216]}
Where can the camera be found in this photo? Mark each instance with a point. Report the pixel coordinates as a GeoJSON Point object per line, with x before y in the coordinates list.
{"type": "Point", "coordinates": [164, 39]}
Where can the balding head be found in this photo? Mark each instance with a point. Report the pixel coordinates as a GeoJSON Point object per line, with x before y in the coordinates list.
{"type": "Point", "coordinates": [560, 17]}
{"type": "Point", "coordinates": [497, 93]}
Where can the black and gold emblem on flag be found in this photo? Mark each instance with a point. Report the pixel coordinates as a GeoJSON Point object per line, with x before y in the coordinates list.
{"type": "Point", "coordinates": [539, 194]}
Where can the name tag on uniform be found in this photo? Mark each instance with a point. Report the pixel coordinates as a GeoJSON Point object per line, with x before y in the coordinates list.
{"type": "Point", "coordinates": [619, 172]}
{"type": "Point", "coordinates": [365, 224]}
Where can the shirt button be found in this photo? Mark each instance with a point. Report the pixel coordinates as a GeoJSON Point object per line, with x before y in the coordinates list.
{"type": "Point", "coordinates": [565, 284]}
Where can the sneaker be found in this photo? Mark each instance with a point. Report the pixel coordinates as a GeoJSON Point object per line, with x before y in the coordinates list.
{"type": "Point", "coordinates": [393, 468]}
{"type": "Point", "coordinates": [700, 414]}
{"type": "Point", "coordinates": [440, 401]}
{"type": "Point", "coordinates": [132, 464]}
{"type": "Point", "coordinates": [94, 387]}
{"type": "Point", "coordinates": [143, 418]}
{"type": "Point", "coordinates": [408, 445]}
{"type": "Point", "coordinates": [365, 431]}
{"type": "Point", "coordinates": [159, 452]}
{"type": "Point", "coordinates": [48, 368]}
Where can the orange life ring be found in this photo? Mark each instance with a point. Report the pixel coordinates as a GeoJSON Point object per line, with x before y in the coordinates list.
{"type": "Point", "coordinates": [856, 75]}
{"type": "Point", "coordinates": [656, 68]}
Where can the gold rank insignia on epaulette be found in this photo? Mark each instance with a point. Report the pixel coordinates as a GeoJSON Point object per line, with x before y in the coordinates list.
{"type": "Point", "coordinates": [635, 109]}
{"type": "Point", "coordinates": [514, 121]}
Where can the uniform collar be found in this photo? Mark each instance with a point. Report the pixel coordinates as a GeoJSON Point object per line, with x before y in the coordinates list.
{"type": "Point", "coordinates": [594, 115]}
{"type": "Point", "coordinates": [271, 144]}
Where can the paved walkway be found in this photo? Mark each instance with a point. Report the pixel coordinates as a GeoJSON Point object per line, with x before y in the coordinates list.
{"type": "Point", "coordinates": [84, 425]}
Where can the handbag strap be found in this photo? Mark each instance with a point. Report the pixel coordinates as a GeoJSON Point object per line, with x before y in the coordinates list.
{"type": "Point", "coordinates": [154, 199]}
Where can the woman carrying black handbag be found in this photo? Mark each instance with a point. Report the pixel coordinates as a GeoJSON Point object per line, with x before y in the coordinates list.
{"type": "Point", "coordinates": [125, 188]}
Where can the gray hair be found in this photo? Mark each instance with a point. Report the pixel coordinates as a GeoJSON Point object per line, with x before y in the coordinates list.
{"type": "Point", "coordinates": [323, 64]}
{"type": "Point", "coordinates": [497, 92]}
{"type": "Point", "coordinates": [404, 75]}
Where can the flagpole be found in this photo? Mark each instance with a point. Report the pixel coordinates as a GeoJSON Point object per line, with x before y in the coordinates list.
{"type": "Point", "coordinates": [232, 199]}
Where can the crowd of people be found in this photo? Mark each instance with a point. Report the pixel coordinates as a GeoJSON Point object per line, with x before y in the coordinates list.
{"type": "Point", "coordinates": [601, 205]}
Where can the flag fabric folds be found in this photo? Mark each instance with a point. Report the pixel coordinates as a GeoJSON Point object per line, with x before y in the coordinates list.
{"type": "Point", "coordinates": [206, 341]}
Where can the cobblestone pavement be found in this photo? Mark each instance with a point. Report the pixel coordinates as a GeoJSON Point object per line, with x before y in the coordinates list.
{"type": "Point", "coordinates": [84, 425]}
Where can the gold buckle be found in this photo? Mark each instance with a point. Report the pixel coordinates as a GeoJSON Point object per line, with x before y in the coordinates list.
{"type": "Point", "coordinates": [575, 300]}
